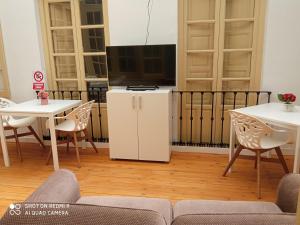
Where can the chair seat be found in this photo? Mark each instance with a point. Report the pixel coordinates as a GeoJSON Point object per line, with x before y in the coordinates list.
{"type": "Point", "coordinates": [19, 123]}
{"type": "Point", "coordinates": [67, 125]}
{"type": "Point", "coordinates": [187, 207]}
{"type": "Point", "coordinates": [162, 206]}
{"type": "Point", "coordinates": [269, 142]}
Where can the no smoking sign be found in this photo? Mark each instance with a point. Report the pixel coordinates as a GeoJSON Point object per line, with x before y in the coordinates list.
{"type": "Point", "coordinates": [38, 81]}
{"type": "Point", "coordinates": [38, 76]}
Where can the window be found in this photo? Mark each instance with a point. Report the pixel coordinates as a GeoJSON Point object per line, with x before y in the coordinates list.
{"type": "Point", "coordinates": [4, 85]}
{"type": "Point", "coordinates": [75, 35]}
{"type": "Point", "coordinates": [220, 49]}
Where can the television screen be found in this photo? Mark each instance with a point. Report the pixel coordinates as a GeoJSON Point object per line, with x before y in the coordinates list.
{"type": "Point", "coordinates": [142, 65]}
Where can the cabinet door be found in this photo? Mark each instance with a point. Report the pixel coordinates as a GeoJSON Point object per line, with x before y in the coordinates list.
{"type": "Point", "coordinates": [122, 120]}
{"type": "Point", "coordinates": [154, 126]}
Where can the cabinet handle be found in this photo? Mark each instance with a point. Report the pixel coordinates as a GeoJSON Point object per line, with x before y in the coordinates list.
{"type": "Point", "coordinates": [140, 102]}
{"type": "Point", "coordinates": [133, 102]}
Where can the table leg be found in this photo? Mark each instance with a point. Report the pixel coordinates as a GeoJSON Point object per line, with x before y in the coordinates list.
{"type": "Point", "coordinates": [53, 143]}
{"type": "Point", "coordinates": [3, 144]}
{"type": "Point", "coordinates": [297, 152]}
{"type": "Point", "coordinates": [40, 128]}
{"type": "Point", "coordinates": [232, 142]}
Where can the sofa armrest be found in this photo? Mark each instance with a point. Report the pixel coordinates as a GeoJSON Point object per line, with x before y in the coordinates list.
{"type": "Point", "coordinates": [287, 193]}
{"type": "Point", "coordinates": [61, 186]}
{"type": "Point", "coordinates": [236, 219]}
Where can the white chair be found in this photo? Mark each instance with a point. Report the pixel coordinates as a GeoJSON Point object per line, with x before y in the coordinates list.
{"type": "Point", "coordinates": [75, 123]}
{"type": "Point", "coordinates": [14, 123]}
{"type": "Point", "coordinates": [258, 137]}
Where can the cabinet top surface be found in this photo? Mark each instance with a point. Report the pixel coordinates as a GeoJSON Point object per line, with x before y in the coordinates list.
{"type": "Point", "coordinates": [162, 91]}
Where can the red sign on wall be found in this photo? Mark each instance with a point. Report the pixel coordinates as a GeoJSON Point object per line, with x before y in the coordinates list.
{"type": "Point", "coordinates": [38, 81]}
{"type": "Point", "coordinates": [38, 86]}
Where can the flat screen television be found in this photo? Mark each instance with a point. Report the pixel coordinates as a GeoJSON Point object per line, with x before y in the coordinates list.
{"type": "Point", "coordinates": [141, 65]}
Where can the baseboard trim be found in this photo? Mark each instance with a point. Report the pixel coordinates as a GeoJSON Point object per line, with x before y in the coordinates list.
{"type": "Point", "coordinates": [221, 151]}
{"type": "Point", "coordinates": [288, 150]}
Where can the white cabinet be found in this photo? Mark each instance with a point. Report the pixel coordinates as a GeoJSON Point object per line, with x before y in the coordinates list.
{"type": "Point", "coordinates": [139, 124]}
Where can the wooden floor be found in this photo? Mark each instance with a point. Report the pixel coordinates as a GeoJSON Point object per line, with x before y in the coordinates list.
{"type": "Point", "coordinates": [187, 176]}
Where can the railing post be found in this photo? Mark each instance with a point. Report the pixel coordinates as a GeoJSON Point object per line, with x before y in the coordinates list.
{"type": "Point", "coordinates": [257, 97]}
{"type": "Point", "coordinates": [180, 118]}
{"type": "Point", "coordinates": [222, 117]}
{"type": "Point", "coordinates": [99, 114]}
{"type": "Point", "coordinates": [234, 99]}
{"type": "Point", "coordinates": [91, 117]}
{"type": "Point", "coordinates": [191, 120]}
{"type": "Point", "coordinates": [201, 118]}
{"type": "Point", "coordinates": [269, 96]}
{"type": "Point", "coordinates": [212, 117]}
{"type": "Point", "coordinates": [246, 101]}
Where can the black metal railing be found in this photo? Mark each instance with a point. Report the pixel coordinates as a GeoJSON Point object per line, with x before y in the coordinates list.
{"type": "Point", "coordinates": [200, 118]}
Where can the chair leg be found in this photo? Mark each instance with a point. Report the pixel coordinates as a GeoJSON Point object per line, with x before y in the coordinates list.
{"type": "Point", "coordinates": [68, 143]}
{"type": "Point", "coordinates": [18, 146]}
{"type": "Point", "coordinates": [76, 148]}
{"type": "Point", "coordinates": [49, 157]}
{"type": "Point", "coordinates": [236, 155]}
{"type": "Point", "coordinates": [90, 139]}
{"type": "Point", "coordinates": [281, 159]}
{"type": "Point", "coordinates": [36, 136]}
{"type": "Point", "coordinates": [258, 159]}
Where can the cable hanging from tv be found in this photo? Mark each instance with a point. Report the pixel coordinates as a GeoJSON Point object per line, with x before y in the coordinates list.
{"type": "Point", "coordinates": [149, 11]}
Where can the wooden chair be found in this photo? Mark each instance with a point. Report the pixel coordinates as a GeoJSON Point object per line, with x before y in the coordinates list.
{"type": "Point", "coordinates": [75, 123]}
{"type": "Point", "coordinates": [258, 137]}
{"type": "Point", "coordinates": [14, 123]}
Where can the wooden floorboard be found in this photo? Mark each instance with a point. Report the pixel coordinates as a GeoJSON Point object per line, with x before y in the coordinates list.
{"type": "Point", "coordinates": [187, 176]}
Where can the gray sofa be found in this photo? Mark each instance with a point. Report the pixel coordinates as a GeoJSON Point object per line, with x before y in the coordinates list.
{"type": "Point", "coordinates": [58, 201]}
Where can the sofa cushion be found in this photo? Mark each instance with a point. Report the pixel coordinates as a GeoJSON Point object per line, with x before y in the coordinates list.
{"type": "Point", "coordinates": [61, 186]}
{"type": "Point", "coordinates": [162, 206]}
{"type": "Point", "coordinates": [186, 207]}
{"type": "Point", "coordinates": [236, 219]}
{"type": "Point", "coordinates": [76, 214]}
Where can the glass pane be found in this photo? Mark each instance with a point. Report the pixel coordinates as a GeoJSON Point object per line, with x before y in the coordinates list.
{"type": "Point", "coordinates": [201, 37]}
{"type": "Point", "coordinates": [91, 12]}
{"type": "Point", "coordinates": [65, 67]}
{"type": "Point", "coordinates": [93, 40]}
{"type": "Point", "coordinates": [199, 86]}
{"type": "Point", "coordinates": [201, 9]}
{"type": "Point", "coordinates": [97, 91]}
{"type": "Point", "coordinates": [240, 9]}
{"type": "Point", "coordinates": [67, 85]}
{"type": "Point", "coordinates": [200, 65]}
{"type": "Point", "coordinates": [95, 66]}
{"type": "Point", "coordinates": [63, 41]}
{"type": "Point", "coordinates": [237, 64]}
{"type": "Point", "coordinates": [238, 35]}
{"type": "Point", "coordinates": [60, 14]}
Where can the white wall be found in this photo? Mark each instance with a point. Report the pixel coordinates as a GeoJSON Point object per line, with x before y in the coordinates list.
{"type": "Point", "coordinates": [21, 44]}
{"type": "Point", "coordinates": [281, 63]}
{"type": "Point", "coordinates": [128, 22]}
